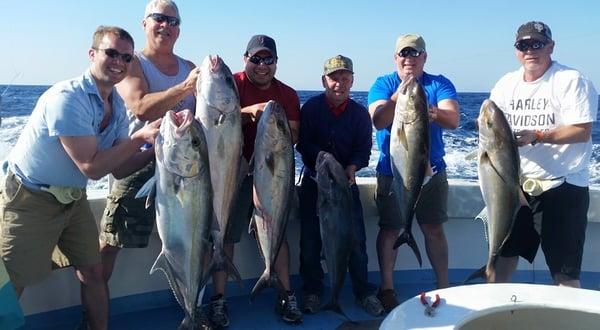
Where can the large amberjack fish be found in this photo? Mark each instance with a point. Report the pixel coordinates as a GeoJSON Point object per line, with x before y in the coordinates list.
{"type": "Point", "coordinates": [183, 207]}
{"type": "Point", "coordinates": [273, 189]}
{"type": "Point", "coordinates": [218, 110]}
{"type": "Point", "coordinates": [498, 169]}
{"type": "Point", "coordinates": [409, 152]}
{"type": "Point", "coordinates": [334, 206]}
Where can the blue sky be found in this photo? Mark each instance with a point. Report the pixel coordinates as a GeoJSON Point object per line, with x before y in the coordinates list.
{"type": "Point", "coordinates": [470, 42]}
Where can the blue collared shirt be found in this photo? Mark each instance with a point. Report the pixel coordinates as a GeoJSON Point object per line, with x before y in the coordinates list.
{"type": "Point", "coordinates": [69, 108]}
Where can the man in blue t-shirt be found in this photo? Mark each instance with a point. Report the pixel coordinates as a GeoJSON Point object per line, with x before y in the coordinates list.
{"type": "Point", "coordinates": [410, 57]}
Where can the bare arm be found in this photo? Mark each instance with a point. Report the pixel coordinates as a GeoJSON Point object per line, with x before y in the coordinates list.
{"type": "Point", "coordinates": [382, 111]}
{"type": "Point", "coordinates": [252, 112]}
{"type": "Point", "coordinates": [567, 134]}
{"type": "Point", "coordinates": [94, 163]}
{"type": "Point", "coordinates": [134, 163]}
{"type": "Point", "coordinates": [446, 114]}
{"type": "Point", "coordinates": [295, 128]}
{"type": "Point", "coordinates": [151, 106]}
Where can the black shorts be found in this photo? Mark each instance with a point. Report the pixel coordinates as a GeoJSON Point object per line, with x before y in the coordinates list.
{"type": "Point", "coordinates": [557, 219]}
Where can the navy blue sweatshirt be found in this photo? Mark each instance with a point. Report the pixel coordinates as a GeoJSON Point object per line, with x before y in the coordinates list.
{"type": "Point", "coordinates": [348, 137]}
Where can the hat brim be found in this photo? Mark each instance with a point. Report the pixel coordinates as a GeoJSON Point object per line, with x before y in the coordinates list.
{"type": "Point", "coordinates": [253, 51]}
{"type": "Point", "coordinates": [328, 72]}
{"type": "Point", "coordinates": [534, 36]}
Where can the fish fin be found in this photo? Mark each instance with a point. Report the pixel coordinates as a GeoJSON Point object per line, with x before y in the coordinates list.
{"type": "Point", "coordinates": [163, 264]}
{"type": "Point", "coordinates": [232, 271]}
{"type": "Point", "coordinates": [522, 199]}
{"type": "Point", "coordinates": [262, 283]}
{"type": "Point", "coordinates": [252, 226]}
{"type": "Point", "coordinates": [499, 173]}
{"type": "Point", "coordinates": [207, 273]}
{"type": "Point", "coordinates": [148, 190]}
{"type": "Point", "coordinates": [480, 273]}
{"type": "Point", "coordinates": [472, 155]}
{"type": "Point", "coordinates": [335, 307]}
{"type": "Point", "coordinates": [402, 137]}
{"type": "Point", "coordinates": [268, 278]}
{"type": "Point", "coordinates": [408, 238]}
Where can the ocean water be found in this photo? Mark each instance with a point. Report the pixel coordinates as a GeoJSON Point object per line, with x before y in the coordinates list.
{"type": "Point", "coordinates": [18, 102]}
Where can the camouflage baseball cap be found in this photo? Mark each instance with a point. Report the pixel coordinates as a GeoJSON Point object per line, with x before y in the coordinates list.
{"type": "Point", "coordinates": [534, 30]}
{"type": "Point", "coordinates": [414, 41]}
{"type": "Point", "coordinates": [337, 63]}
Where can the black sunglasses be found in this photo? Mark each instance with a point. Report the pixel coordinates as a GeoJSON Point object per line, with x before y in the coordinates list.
{"type": "Point", "coordinates": [159, 18]}
{"type": "Point", "coordinates": [267, 60]}
{"type": "Point", "coordinates": [406, 52]}
{"type": "Point", "coordinates": [525, 45]}
{"type": "Point", "coordinates": [113, 53]}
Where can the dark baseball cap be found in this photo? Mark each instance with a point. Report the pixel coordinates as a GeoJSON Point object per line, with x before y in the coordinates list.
{"type": "Point", "coordinates": [261, 42]}
{"type": "Point", "coordinates": [534, 30]}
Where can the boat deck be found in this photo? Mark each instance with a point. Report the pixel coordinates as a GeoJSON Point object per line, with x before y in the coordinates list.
{"type": "Point", "coordinates": [158, 310]}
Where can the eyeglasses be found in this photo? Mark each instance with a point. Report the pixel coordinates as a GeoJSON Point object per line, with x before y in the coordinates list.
{"type": "Point", "coordinates": [159, 18]}
{"type": "Point", "coordinates": [113, 53]}
{"type": "Point", "coordinates": [406, 52]}
{"type": "Point", "coordinates": [525, 45]}
{"type": "Point", "coordinates": [267, 60]}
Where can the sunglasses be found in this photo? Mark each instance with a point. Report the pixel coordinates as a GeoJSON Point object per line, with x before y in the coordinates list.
{"type": "Point", "coordinates": [113, 53]}
{"type": "Point", "coordinates": [525, 45]}
{"type": "Point", "coordinates": [159, 18]}
{"type": "Point", "coordinates": [267, 60]}
{"type": "Point", "coordinates": [406, 52]}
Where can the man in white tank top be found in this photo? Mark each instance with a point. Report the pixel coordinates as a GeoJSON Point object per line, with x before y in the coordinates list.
{"type": "Point", "coordinates": [158, 81]}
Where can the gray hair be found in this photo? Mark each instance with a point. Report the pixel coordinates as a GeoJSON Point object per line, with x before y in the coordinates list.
{"type": "Point", "coordinates": [152, 5]}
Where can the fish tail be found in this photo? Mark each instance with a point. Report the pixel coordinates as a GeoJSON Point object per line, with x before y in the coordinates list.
{"type": "Point", "coordinates": [163, 264]}
{"type": "Point", "coordinates": [480, 273]}
{"type": "Point", "coordinates": [408, 238]}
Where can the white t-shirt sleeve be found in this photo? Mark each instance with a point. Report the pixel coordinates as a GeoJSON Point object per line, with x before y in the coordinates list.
{"type": "Point", "coordinates": [578, 100]}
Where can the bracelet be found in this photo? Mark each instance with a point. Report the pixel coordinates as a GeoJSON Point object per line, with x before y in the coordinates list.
{"type": "Point", "coordinates": [539, 136]}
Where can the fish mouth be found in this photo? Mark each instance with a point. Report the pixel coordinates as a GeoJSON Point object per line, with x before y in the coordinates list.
{"type": "Point", "coordinates": [180, 120]}
{"type": "Point", "coordinates": [215, 63]}
{"type": "Point", "coordinates": [407, 84]}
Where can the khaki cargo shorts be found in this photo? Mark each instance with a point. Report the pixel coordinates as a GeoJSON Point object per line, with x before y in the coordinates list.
{"type": "Point", "coordinates": [38, 233]}
{"type": "Point", "coordinates": [126, 222]}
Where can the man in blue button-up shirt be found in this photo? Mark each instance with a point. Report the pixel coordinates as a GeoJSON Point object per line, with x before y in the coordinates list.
{"type": "Point", "coordinates": [78, 130]}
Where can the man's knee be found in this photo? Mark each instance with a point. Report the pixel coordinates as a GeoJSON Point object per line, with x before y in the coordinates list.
{"type": "Point", "coordinates": [90, 274]}
{"type": "Point", "coordinates": [106, 249]}
{"type": "Point", "coordinates": [433, 231]}
{"type": "Point", "coordinates": [388, 234]}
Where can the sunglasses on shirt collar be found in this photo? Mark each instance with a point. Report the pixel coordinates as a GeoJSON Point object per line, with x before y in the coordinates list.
{"type": "Point", "coordinates": [406, 52]}
{"type": "Point", "coordinates": [113, 53]}
{"type": "Point", "coordinates": [267, 60]}
{"type": "Point", "coordinates": [159, 18]}
{"type": "Point", "coordinates": [525, 45]}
